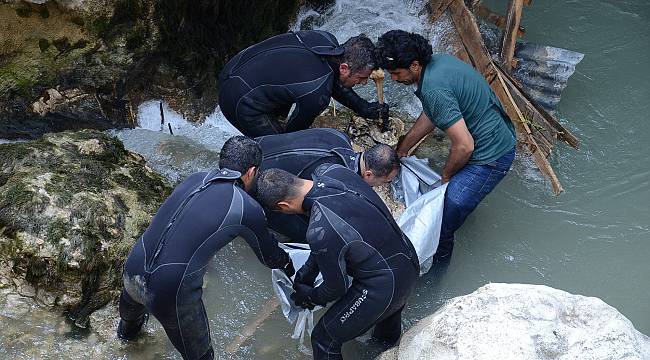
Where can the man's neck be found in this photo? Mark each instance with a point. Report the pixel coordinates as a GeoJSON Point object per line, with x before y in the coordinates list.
{"type": "Point", "coordinates": [304, 189]}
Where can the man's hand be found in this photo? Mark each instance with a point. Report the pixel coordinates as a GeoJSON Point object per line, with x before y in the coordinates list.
{"type": "Point", "coordinates": [301, 296]}
{"type": "Point", "coordinates": [302, 277]}
{"type": "Point", "coordinates": [374, 110]}
{"type": "Point", "coordinates": [288, 269]}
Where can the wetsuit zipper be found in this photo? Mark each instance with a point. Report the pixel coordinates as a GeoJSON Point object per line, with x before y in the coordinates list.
{"type": "Point", "coordinates": [163, 237]}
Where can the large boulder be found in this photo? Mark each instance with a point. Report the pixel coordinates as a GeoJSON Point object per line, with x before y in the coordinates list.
{"type": "Point", "coordinates": [517, 321]}
{"type": "Point", "coordinates": [71, 206]}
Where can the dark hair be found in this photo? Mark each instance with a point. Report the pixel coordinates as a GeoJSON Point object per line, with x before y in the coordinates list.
{"type": "Point", "coordinates": [381, 159]}
{"type": "Point", "coordinates": [275, 185]}
{"type": "Point", "coordinates": [240, 153]}
{"type": "Point", "coordinates": [398, 49]}
{"type": "Point", "coordinates": [359, 53]}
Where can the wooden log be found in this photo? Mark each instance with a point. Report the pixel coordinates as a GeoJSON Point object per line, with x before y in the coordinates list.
{"type": "Point", "coordinates": [510, 33]}
{"type": "Point", "coordinates": [471, 38]}
{"type": "Point", "coordinates": [484, 12]}
{"type": "Point", "coordinates": [249, 330]}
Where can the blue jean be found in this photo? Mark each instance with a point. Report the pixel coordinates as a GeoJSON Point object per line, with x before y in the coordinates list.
{"type": "Point", "coordinates": [465, 191]}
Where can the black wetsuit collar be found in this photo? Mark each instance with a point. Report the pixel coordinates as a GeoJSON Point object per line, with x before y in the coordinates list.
{"type": "Point", "coordinates": [224, 174]}
{"type": "Point", "coordinates": [357, 164]}
{"type": "Point", "coordinates": [308, 201]}
{"type": "Point", "coordinates": [322, 184]}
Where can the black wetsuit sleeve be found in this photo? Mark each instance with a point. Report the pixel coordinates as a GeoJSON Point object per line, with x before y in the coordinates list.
{"type": "Point", "coordinates": [263, 243]}
{"type": "Point", "coordinates": [350, 99]}
{"type": "Point", "coordinates": [331, 262]}
{"type": "Point", "coordinates": [309, 271]}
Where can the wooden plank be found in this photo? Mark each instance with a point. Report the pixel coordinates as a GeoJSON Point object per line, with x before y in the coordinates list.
{"type": "Point", "coordinates": [471, 38]}
{"type": "Point", "coordinates": [510, 33]}
{"type": "Point", "coordinates": [538, 156]}
{"type": "Point", "coordinates": [249, 330]}
{"type": "Point", "coordinates": [499, 20]}
{"type": "Point", "coordinates": [437, 8]}
{"type": "Point", "coordinates": [562, 133]}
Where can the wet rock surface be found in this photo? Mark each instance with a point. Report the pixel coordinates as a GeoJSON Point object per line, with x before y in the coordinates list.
{"type": "Point", "coordinates": [105, 57]}
{"type": "Point", "coordinates": [71, 206]}
{"type": "Point", "coordinates": [518, 321]}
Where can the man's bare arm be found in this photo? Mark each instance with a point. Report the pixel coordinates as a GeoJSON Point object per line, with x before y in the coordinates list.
{"type": "Point", "coordinates": [420, 129]}
{"type": "Point", "coordinates": [462, 146]}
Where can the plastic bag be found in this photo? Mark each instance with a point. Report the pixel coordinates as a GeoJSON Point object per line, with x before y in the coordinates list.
{"type": "Point", "coordinates": [422, 191]}
{"type": "Point", "coordinates": [283, 287]}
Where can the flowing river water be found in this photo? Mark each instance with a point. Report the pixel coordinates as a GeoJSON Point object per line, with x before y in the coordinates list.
{"type": "Point", "coordinates": [594, 239]}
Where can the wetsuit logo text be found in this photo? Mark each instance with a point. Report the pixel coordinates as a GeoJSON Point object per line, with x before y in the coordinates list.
{"type": "Point", "coordinates": [354, 306]}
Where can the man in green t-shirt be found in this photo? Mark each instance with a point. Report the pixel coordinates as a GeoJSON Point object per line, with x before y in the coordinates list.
{"type": "Point", "coordinates": [456, 99]}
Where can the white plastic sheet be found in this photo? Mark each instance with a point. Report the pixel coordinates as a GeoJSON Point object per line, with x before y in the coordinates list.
{"type": "Point", "coordinates": [422, 191]}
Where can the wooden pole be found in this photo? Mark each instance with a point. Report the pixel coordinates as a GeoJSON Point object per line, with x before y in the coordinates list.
{"type": "Point", "coordinates": [249, 330]}
{"type": "Point", "coordinates": [499, 20]}
{"type": "Point", "coordinates": [510, 33]}
{"type": "Point", "coordinates": [378, 77]}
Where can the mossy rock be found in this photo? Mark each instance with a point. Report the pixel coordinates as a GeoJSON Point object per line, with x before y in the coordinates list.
{"type": "Point", "coordinates": [71, 206]}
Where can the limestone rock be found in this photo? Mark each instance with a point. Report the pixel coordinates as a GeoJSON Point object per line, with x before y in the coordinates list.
{"type": "Point", "coordinates": [517, 321]}
{"type": "Point", "coordinates": [71, 206]}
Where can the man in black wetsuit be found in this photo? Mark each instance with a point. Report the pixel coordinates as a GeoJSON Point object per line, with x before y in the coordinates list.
{"type": "Point", "coordinates": [301, 152]}
{"type": "Point", "coordinates": [302, 70]}
{"type": "Point", "coordinates": [351, 234]}
{"type": "Point", "coordinates": [164, 272]}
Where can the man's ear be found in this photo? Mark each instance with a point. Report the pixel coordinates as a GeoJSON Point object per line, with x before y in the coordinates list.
{"type": "Point", "coordinates": [283, 206]}
{"type": "Point", "coordinates": [367, 173]}
{"type": "Point", "coordinates": [415, 65]}
{"type": "Point", "coordinates": [344, 69]}
{"type": "Point", "coordinates": [251, 172]}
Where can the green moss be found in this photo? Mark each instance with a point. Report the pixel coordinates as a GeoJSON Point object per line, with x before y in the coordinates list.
{"type": "Point", "coordinates": [10, 244]}
{"type": "Point", "coordinates": [57, 229]}
{"type": "Point", "coordinates": [15, 195]}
